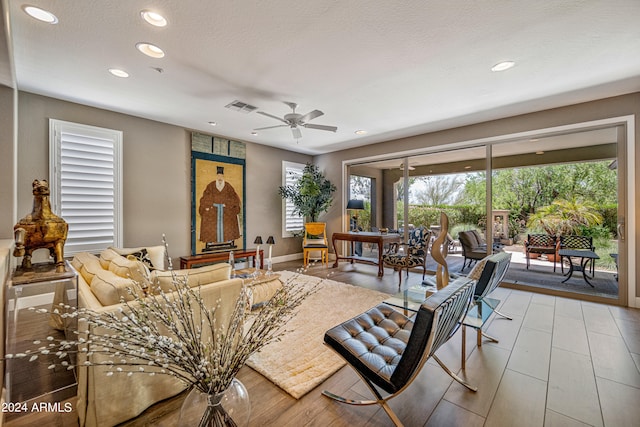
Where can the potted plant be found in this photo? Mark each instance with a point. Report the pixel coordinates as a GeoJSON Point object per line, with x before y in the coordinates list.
{"type": "Point", "coordinates": [311, 195]}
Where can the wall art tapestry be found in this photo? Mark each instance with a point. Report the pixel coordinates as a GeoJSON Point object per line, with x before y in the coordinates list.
{"type": "Point", "coordinates": [217, 194]}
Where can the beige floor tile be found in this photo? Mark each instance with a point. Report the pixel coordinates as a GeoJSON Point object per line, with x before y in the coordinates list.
{"type": "Point", "coordinates": [531, 354]}
{"type": "Point", "coordinates": [485, 366]}
{"type": "Point", "coordinates": [543, 299]}
{"type": "Point", "coordinates": [612, 360]}
{"type": "Point", "coordinates": [598, 318]}
{"type": "Point", "coordinates": [569, 308]}
{"type": "Point", "coordinates": [569, 334]}
{"type": "Point", "coordinates": [636, 359]}
{"type": "Point", "coordinates": [519, 401]}
{"type": "Point", "coordinates": [630, 331]}
{"type": "Point", "coordinates": [620, 404]}
{"type": "Point", "coordinates": [553, 419]}
{"type": "Point", "coordinates": [516, 304]}
{"type": "Point", "coordinates": [504, 330]}
{"type": "Point", "coordinates": [572, 387]}
{"type": "Point", "coordinates": [449, 415]}
{"type": "Point", "coordinates": [539, 317]}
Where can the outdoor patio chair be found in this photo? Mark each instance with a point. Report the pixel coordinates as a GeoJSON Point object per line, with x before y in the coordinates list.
{"type": "Point", "coordinates": [577, 243]}
{"type": "Point", "coordinates": [410, 254]}
{"type": "Point", "coordinates": [388, 349]}
{"type": "Point", "coordinates": [541, 244]}
{"type": "Point", "coordinates": [473, 249]}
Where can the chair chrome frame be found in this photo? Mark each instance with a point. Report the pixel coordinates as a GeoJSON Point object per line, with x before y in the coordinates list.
{"type": "Point", "coordinates": [447, 309]}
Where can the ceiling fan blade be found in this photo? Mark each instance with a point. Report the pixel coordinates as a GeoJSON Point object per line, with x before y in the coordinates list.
{"type": "Point", "coordinates": [272, 116]}
{"type": "Point", "coordinates": [321, 127]}
{"type": "Point", "coordinates": [296, 133]}
{"type": "Point", "coordinates": [311, 115]}
{"type": "Point", "coordinates": [271, 127]}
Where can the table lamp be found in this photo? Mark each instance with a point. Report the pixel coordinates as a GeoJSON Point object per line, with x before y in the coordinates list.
{"type": "Point", "coordinates": [356, 205]}
{"type": "Point", "coordinates": [258, 242]}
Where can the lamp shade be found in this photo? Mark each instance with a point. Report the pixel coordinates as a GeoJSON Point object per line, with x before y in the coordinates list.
{"type": "Point", "coordinates": [355, 204]}
{"type": "Point", "coordinates": [258, 240]}
{"type": "Point", "coordinates": [271, 241]}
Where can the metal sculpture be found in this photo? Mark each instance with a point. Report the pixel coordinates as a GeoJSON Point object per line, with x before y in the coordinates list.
{"type": "Point", "coordinates": [41, 229]}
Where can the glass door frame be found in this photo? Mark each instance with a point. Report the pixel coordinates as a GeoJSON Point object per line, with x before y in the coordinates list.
{"type": "Point", "coordinates": [629, 294]}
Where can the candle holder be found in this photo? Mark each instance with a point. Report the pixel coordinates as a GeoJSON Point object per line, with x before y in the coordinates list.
{"type": "Point", "coordinates": [270, 241]}
{"type": "Point", "coordinates": [256, 259]}
{"type": "Point", "coordinates": [232, 262]}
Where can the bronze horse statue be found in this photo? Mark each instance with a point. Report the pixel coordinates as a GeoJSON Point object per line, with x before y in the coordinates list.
{"type": "Point", "coordinates": [41, 229]}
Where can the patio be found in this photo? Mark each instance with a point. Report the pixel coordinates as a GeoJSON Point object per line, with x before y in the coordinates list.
{"type": "Point", "coordinates": [540, 273]}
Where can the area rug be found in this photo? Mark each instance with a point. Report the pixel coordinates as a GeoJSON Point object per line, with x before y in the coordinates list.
{"type": "Point", "coordinates": [300, 361]}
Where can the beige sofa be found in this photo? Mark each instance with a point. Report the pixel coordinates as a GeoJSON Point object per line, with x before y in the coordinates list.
{"type": "Point", "coordinates": [102, 280]}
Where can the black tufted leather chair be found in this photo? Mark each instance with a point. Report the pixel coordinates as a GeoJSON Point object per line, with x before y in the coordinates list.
{"type": "Point", "coordinates": [387, 349]}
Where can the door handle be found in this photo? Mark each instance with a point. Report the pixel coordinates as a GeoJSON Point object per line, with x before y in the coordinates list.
{"type": "Point", "coordinates": [620, 230]}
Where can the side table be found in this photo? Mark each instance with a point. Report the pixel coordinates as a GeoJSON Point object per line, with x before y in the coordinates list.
{"type": "Point", "coordinates": [38, 287]}
{"type": "Point", "coordinates": [213, 257]}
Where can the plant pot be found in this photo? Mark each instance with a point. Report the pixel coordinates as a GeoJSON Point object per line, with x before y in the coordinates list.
{"type": "Point", "coordinates": [229, 408]}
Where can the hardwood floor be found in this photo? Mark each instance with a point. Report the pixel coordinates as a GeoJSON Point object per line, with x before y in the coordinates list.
{"type": "Point", "coordinates": [559, 362]}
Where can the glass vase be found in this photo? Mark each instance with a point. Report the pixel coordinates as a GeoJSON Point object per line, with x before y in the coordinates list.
{"type": "Point", "coordinates": [229, 408]}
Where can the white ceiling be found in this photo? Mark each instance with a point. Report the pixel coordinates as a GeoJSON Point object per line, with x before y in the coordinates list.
{"type": "Point", "coordinates": [393, 68]}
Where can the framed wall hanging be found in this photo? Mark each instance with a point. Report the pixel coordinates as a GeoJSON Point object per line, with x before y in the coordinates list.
{"type": "Point", "coordinates": [217, 195]}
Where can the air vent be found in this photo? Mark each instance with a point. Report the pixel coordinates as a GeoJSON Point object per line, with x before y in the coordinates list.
{"type": "Point", "coordinates": [242, 107]}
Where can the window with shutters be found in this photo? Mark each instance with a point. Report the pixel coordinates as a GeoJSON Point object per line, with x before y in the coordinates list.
{"type": "Point", "coordinates": [85, 179]}
{"type": "Point", "coordinates": [291, 223]}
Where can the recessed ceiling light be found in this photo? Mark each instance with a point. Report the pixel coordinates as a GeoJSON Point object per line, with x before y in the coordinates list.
{"type": "Point", "coordinates": [539, 153]}
{"type": "Point", "coordinates": [467, 167]}
{"type": "Point", "coordinates": [118, 72]}
{"type": "Point", "coordinates": [360, 132]}
{"type": "Point", "coordinates": [150, 50]}
{"type": "Point", "coordinates": [534, 140]}
{"type": "Point", "coordinates": [40, 14]}
{"type": "Point", "coordinates": [212, 123]}
{"type": "Point", "coordinates": [254, 133]}
{"type": "Point", "coordinates": [153, 18]}
{"type": "Point", "coordinates": [504, 65]}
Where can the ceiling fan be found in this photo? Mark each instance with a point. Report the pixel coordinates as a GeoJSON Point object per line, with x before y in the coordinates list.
{"type": "Point", "coordinates": [295, 121]}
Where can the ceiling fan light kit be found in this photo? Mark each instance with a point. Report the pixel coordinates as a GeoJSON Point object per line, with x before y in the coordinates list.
{"type": "Point", "coordinates": [295, 121]}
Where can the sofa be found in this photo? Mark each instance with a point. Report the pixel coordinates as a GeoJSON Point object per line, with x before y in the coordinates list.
{"type": "Point", "coordinates": [102, 280]}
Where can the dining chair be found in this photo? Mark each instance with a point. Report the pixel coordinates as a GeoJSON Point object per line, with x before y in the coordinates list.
{"type": "Point", "coordinates": [315, 240]}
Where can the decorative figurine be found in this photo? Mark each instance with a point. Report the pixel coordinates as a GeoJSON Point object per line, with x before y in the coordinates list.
{"type": "Point", "coordinates": [41, 229]}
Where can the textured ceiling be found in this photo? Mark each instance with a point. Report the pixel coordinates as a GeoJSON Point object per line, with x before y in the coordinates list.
{"type": "Point", "coordinates": [394, 69]}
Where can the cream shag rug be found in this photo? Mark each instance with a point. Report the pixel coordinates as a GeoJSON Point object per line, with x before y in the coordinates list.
{"type": "Point", "coordinates": [300, 361]}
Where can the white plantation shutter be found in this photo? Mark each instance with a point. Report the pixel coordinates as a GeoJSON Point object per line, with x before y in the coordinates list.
{"type": "Point", "coordinates": [291, 222]}
{"type": "Point", "coordinates": [85, 184]}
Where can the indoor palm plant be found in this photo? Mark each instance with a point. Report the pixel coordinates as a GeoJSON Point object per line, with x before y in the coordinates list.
{"type": "Point", "coordinates": [311, 195]}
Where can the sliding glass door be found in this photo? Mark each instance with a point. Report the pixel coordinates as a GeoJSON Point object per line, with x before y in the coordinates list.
{"type": "Point", "coordinates": [560, 184]}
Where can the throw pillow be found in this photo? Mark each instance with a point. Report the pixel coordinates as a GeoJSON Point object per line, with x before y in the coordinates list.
{"type": "Point", "coordinates": [195, 276]}
{"type": "Point", "coordinates": [129, 269]}
{"type": "Point", "coordinates": [109, 288]}
{"type": "Point", "coordinates": [155, 255]}
{"type": "Point", "coordinates": [88, 265]}
{"type": "Point", "coordinates": [143, 256]}
{"type": "Point", "coordinates": [107, 256]}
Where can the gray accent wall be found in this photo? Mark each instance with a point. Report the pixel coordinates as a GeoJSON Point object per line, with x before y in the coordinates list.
{"type": "Point", "coordinates": [7, 154]}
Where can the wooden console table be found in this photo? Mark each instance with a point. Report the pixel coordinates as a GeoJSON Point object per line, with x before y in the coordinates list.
{"type": "Point", "coordinates": [365, 237]}
{"type": "Point", "coordinates": [212, 258]}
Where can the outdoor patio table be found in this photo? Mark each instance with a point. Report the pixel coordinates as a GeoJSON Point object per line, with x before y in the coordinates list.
{"type": "Point", "coordinates": [585, 256]}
